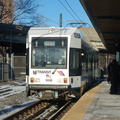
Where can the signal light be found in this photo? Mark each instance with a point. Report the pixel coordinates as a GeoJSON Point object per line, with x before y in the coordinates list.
{"type": "Point", "coordinates": [32, 80]}
{"type": "Point", "coordinates": [65, 80]}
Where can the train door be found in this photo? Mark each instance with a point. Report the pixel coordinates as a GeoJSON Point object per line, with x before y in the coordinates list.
{"type": "Point", "coordinates": [75, 68]}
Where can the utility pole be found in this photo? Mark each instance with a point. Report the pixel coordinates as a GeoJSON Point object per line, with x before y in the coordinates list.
{"type": "Point", "coordinates": [60, 20]}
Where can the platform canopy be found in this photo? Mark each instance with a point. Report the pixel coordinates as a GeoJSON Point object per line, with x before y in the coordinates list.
{"type": "Point", "coordinates": [105, 17]}
{"type": "Point", "coordinates": [17, 33]}
{"type": "Point", "coordinates": [90, 34]}
{"type": "Point", "coordinates": [13, 37]}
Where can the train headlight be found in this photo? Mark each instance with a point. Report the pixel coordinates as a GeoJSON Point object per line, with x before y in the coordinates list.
{"type": "Point", "coordinates": [56, 94]}
{"type": "Point", "coordinates": [65, 80]}
{"type": "Point", "coordinates": [32, 79]}
{"type": "Point", "coordinates": [40, 94]}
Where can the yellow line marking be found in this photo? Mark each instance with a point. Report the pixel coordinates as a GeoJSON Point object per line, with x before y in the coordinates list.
{"type": "Point", "coordinates": [78, 111]}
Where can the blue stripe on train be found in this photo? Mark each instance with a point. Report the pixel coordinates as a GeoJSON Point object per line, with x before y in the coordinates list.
{"type": "Point", "coordinates": [75, 87]}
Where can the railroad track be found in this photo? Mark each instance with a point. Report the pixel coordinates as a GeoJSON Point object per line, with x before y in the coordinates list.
{"type": "Point", "coordinates": [59, 113]}
{"type": "Point", "coordinates": [29, 112]}
{"type": "Point", "coordinates": [8, 90]}
{"type": "Point", "coordinates": [42, 110]}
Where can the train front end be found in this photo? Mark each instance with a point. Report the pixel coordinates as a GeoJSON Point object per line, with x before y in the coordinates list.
{"type": "Point", "coordinates": [47, 71]}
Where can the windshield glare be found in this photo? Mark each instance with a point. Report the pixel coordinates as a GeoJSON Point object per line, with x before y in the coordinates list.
{"type": "Point", "coordinates": [49, 52]}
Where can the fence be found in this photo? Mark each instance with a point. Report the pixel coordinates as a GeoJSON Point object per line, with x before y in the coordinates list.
{"type": "Point", "coordinates": [19, 66]}
{"type": "Point", "coordinates": [4, 72]}
{"type": "Point", "coordinates": [13, 68]}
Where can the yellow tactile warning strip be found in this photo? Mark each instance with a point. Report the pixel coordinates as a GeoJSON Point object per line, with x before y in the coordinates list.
{"type": "Point", "coordinates": [78, 111]}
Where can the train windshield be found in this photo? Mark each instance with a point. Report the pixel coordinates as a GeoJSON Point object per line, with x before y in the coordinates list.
{"type": "Point", "coordinates": [49, 52]}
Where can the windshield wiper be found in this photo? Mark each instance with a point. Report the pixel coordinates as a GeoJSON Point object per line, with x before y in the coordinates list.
{"type": "Point", "coordinates": [54, 70]}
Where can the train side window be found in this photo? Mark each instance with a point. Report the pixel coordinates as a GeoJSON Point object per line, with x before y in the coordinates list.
{"type": "Point", "coordinates": [74, 65]}
{"type": "Point", "coordinates": [74, 58]}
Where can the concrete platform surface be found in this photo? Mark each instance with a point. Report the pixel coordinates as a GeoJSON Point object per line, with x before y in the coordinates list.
{"type": "Point", "coordinates": [96, 104]}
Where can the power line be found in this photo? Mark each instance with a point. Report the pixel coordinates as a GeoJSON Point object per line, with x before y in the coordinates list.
{"type": "Point", "coordinates": [67, 10]}
{"type": "Point", "coordinates": [78, 21]}
{"type": "Point", "coordinates": [72, 16]}
{"type": "Point", "coordinates": [73, 10]}
{"type": "Point", "coordinates": [86, 31]}
{"type": "Point", "coordinates": [50, 20]}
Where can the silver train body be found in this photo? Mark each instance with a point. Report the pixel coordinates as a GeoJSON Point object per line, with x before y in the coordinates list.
{"type": "Point", "coordinates": [60, 64]}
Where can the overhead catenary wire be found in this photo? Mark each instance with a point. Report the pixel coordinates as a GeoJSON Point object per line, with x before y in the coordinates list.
{"type": "Point", "coordinates": [68, 10]}
{"type": "Point", "coordinates": [50, 20]}
{"type": "Point", "coordinates": [81, 22]}
{"type": "Point", "coordinates": [77, 21]}
{"type": "Point", "coordinates": [73, 11]}
{"type": "Point", "coordinates": [69, 13]}
{"type": "Point", "coordinates": [86, 31]}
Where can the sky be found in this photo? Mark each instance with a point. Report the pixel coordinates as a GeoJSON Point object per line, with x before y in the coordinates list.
{"type": "Point", "coordinates": [71, 10]}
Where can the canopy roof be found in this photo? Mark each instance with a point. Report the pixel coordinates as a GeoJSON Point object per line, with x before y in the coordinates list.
{"type": "Point", "coordinates": [105, 16]}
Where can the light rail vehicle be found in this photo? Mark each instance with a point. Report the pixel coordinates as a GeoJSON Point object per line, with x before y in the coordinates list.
{"type": "Point", "coordinates": [60, 63]}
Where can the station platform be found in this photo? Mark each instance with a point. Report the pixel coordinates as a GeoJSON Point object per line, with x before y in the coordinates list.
{"type": "Point", "coordinates": [96, 104]}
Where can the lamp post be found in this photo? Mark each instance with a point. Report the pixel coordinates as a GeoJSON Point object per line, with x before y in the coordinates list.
{"type": "Point", "coordinates": [11, 56]}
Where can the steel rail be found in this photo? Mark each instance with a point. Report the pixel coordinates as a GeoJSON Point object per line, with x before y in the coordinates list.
{"type": "Point", "coordinates": [28, 112]}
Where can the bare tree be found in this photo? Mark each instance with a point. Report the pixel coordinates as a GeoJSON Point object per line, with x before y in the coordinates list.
{"type": "Point", "coordinates": [24, 12]}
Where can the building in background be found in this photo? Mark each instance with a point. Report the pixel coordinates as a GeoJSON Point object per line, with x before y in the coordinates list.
{"type": "Point", "coordinates": [6, 16]}
{"type": "Point", "coordinates": [6, 11]}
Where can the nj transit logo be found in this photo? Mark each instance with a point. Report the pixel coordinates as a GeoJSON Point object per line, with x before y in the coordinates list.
{"type": "Point", "coordinates": [61, 73]}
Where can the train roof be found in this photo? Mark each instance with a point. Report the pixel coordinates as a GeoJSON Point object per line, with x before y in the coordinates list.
{"type": "Point", "coordinates": [49, 31]}
{"type": "Point", "coordinates": [53, 30]}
